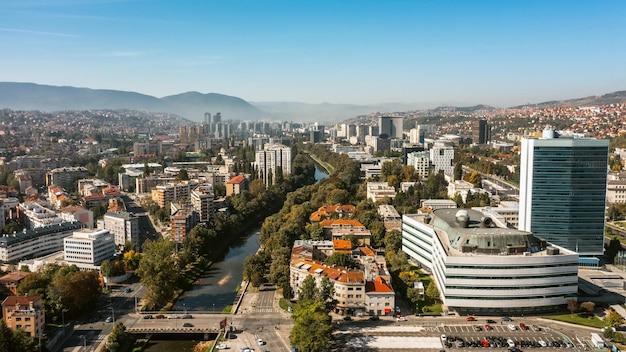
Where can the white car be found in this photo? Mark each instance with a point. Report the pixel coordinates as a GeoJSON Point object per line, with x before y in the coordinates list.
{"type": "Point", "coordinates": [221, 346]}
{"type": "Point", "coordinates": [260, 342]}
{"type": "Point", "coordinates": [512, 327]}
{"type": "Point", "coordinates": [444, 338]}
{"type": "Point", "coordinates": [400, 319]}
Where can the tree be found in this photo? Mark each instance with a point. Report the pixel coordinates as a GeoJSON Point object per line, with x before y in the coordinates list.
{"type": "Point", "coordinates": [182, 175]}
{"type": "Point", "coordinates": [326, 294]}
{"type": "Point", "coordinates": [613, 319]}
{"type": "Point", "coordinates": [458, 171]}
{"type": "Point", "coordinates": [158, 272]}
{"type": "Point", "coordinates": [119, 340]}
{"type": "Point", "coordinates": [253, 269]}
{"type": "Point", "coordinates": [106, 268]}
{"type": "Point", "coordinates": [308, 289]}
{"type": "Point", "coordinates": [312, 329]}
{"type": "Point", "coordinates": [572, 305]}
{"type": "Point", "coordinates": [432, 292]}
{"type": "Point", "coordinates": [131, 259]}
{"type": "Point", "coordinates": [315, 231]}
{"type": "Point", "coordinates": [588, 307]}
{"type": "Point", "coordinates": [341, 259]}
{"type": "Point", "coordinates": [393, 240]}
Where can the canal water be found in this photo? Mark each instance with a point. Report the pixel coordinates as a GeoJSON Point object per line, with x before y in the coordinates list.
{"type": "Point", "coordinates": [216, 288]}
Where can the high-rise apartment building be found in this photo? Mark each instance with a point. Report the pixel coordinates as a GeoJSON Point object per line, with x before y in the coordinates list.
{"type": "Point", "coordinates": [202, 199]}
{"type": "Point", "coordinates": [125, 228]}
{"type": "Point", "coordinates": [563, 191]}
{"type": "Point", "coordinates": [272, 156]}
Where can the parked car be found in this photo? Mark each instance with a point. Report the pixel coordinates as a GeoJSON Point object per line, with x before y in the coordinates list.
{"type": "Point", "coordinates": [173, 316]}
{"type": "Point", "coordinates": [160, 316]}
{"type": "Point", "coordinates": [444, 338]}
{"type": "Point", "coordinates": [488, 327]}
{"type": "Point", "coordinates": [523, 326]}
{"type": "Point", "coordinates": [536, 328]}
{"type": "Point", "coordinates": [260, 342]}
{"type": "Point", "coordinates": [470, 319]}
{"type": "Point", "coordinates": [147, 316]}
{"type": "Point", "coordinates": [221, 346]}
{"type": "Point", "coordinates": [127, 290]}
{"type": "Point", "coordinates": [109, 320]}
{"type": "Point", "coordinates": [400, 319]}
{"type": "Point", "coordinates": [477, 328]}
{"type": "Point", "coordinates": [506, 319]}
{"type": "Point", "coordinates": [347, 318]}
{"type": "Point", "coordinates": [491, 321]}
{"type": "Point", "coordinates": [512, 327]}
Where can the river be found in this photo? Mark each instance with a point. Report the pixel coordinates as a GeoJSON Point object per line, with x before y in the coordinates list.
{"type": "Point", "coordinates": [216, 288]}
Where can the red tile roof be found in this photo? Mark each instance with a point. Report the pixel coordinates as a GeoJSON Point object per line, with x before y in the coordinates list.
{"type": "Point", "coordinates": [236, 180]}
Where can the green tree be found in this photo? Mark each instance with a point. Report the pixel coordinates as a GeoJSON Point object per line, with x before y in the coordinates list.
{"type": "Point", "coordinates": [6, 337]}
{"type": "Point", "coordinates": [432, 292]}
{"type": "Point", "coordinates": [341, 259]}
{"type": "Point", "coordinates": [158, 272]}
{"type": "Point", "coordinates": [308, 289]}
{"type": "Point", "coordinates": [253, 269]}
{"type": "Point", "coordinates": [326, 294]}
{"type": "Point", "coordinates": [182, 175]}
{"type": "Point", "coordinates": [312, 329]}
{"type": "Point", "coordinates": [119, 340]}
{"type": "Point", "coordinates": [393, 240]}
{"type": "Point", "coordinates": [458, 171]}
{"type": "Point", "coordinates": [613, 319]}
{"type": "Point", "coordinates": [315, 231]}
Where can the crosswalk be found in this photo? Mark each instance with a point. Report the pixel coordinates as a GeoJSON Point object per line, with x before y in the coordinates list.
{"type": "Point", "coordinates": [265, 310]}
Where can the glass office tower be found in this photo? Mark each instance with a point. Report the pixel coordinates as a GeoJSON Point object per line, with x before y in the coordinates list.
{"type": "Point", "coordinates": [563, 191]}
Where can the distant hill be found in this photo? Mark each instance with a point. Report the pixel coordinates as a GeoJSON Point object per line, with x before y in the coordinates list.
{"type": "Point", "coordinates": [594, 100]}
{"type": "Point", "coordinates": [191, 105]}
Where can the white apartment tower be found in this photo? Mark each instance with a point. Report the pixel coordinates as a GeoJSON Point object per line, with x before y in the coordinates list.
{"type": "Point", "coordinates": [272, 157]}
{"type": "Point", "coordinates": [442, 157]}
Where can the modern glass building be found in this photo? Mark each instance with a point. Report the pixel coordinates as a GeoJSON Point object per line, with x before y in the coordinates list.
{"type": "Point", "coordinates": [563, 191]}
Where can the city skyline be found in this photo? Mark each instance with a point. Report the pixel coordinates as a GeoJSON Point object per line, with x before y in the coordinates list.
{"type": "Point", "coordinates": [418, 52]}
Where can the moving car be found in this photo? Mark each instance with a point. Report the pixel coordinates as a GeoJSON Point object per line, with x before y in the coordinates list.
{"type": "Point", "coordinates": [187, 325]}
{"type": "Point", "coordinates": [470, 319]}
{"type": "Point", "coordinates": [173, 316]}
{"type": "Point", "coordinates": [221, 346]}
{"type": "Point", "coordinates": [400, 319]}
{"type": "Point", "coordinates": [147, 316]}
{"type": "Point", "coordinates": [506, 319]}
{"type": "Point", "coordinates": [187, 316]}
{"type": "Point", "coordinates": [109, 320]}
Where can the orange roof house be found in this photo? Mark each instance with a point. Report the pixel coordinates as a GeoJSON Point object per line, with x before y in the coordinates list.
{"type": "Point", "coordinates": [332, 211]}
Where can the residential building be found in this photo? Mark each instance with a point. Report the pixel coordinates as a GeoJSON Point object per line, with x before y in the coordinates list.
{"type": "Point", "coordinates": [173, 191]}
{"type": "Point", "coordinates": [34, 215]}
{"type": "Point", "coordinates": [616, 188]}
{"type": "Point", "coordinates": [125, 228]}
{"type": "Point", "coordinates": [337, 211]}
{"type": "Point", "coordinates": [10, 281]}
{"type": "Point", "coordinates": [89, 248]}
{"type": "Point", "coordinates": [66, 177]}
{"type": "Point", "coordinates": [202, 200]}
{"type": "Point", "coordinates": [420, 162]}
{"type": "Point", "coordinates": [73, 213]}
{"type": "Point", "coordinates": [237, 184]}
{"type": "Point", "coordinates": [442, 158]}
{"type": "Point", "coordinates": [35, 242]}
{"type": "Point", "coordinates": [563, 191]}
{"type": "Point", "coordinates": [273, 157]}
{"type": "Point", "coordinates": [378, 191]}
{"type": "Point", "coordinates": [183, 218]}
{"type": "Point", "coordinates": [480, 268]}
{"type": "Point", "coordinates": [25, 313]}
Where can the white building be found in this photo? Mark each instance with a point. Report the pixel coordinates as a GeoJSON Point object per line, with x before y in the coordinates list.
{"type": "Point", "coordinates": [36, 242]}
{"type": "Point", "coordinates": [125, 228]}
{"type": "Point", "coordinates": [459, 187]}
{"type": "Point", "coordinates": [273, 156]}
{"type": "Point", "coordinates": [616, 188]}
{"type": "Point", "coordinates": [420, 161]}
{"type": "Point", "coordinates": [483, 269]}
{"type": "Point", "coordinates": [442, 158]}
{"type": "Point", "coordinates": [380, 190]}
{"type": "Point", "coordinates": [506, 214]}
{"type": "Point", "coordinates": [89, 248]}
{"type": "Point", "coordinates": [202, 199]}
{"type": "Point", "coordinates": [35, 215]}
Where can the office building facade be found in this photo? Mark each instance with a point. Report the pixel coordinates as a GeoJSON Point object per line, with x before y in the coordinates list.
{"type": "Point", "coordinates": [563, 191]}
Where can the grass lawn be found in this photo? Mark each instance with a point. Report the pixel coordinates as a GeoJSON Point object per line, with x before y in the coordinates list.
{"type": "Point", "coordinates": [579, 319]}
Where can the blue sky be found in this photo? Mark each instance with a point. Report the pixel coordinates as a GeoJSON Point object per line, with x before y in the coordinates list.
{"type": "Point", "coordinates": [500, 53]}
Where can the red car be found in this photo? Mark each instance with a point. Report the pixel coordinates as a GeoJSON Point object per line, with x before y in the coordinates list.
{"type": "Point", "coordinates": [523, 326]}
{"type": "Point", "coordinates": [488, 327]}
{"type": "Point", "coordinates": [470, 319]}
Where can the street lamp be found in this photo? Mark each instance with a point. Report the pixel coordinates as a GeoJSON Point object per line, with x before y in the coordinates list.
{"type": "Point", "coordinates": [185, 307]}
{"type": "Point", "coordinates": [213, 307]}
{"type": "Point", "coordinates": [63, 317]}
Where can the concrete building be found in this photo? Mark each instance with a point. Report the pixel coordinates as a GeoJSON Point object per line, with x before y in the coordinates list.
{"type": "Point", "coordinates": [420, 161]}
{"type": "Point", "coordinates": [616, 188]}
{"type": "Point", "coordinates": [391, 126]}
{"type": "Point", "coordinates": [74, 213]}
{"type": "Point", "coordinates": [481, 132]}
{"type": "Point", "coordinates": [66, 177]}
{"type": "Point", "coordinates": [377, 191]}
{"type": "Point", "coordinates": [88, 248]}
{"type": "Point", "coordinates": [183, 218]}
{"type": "Point", "coordinates": [25, 313]}
{"type": "Point", "coordinates": [273, 156]}
{"type": "Point", "coordinates": [174, 191]}
{"type": "Point", "coordinates": [442, 158]}
{"type": "Point", "coordinates": [480, 268]}
{"type": "Point", "coordinates": [563, 191]}
{"type": "Point", "coordinates": [202, 201]}
{"type": "Point", "coordinates": [237, 184]}
{"type": "Point", "coordinates": [36, 242]}
{"type": "Point", "coordinates": [125, 228]}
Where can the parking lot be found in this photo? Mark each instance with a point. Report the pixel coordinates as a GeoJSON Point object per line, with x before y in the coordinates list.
{"type": "Point", "coordinates": [505, 335]}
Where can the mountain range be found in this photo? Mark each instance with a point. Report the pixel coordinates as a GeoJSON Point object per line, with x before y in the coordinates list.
{"type": "Point", "coordinates": [193, 105]}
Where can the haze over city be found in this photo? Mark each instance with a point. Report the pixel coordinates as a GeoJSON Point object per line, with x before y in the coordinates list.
{"type": "Point", "coordinates": [367, 52]}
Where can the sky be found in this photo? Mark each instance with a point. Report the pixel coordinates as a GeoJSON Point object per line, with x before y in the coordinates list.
{"type": "Point", "coordinates": [500, 53]}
